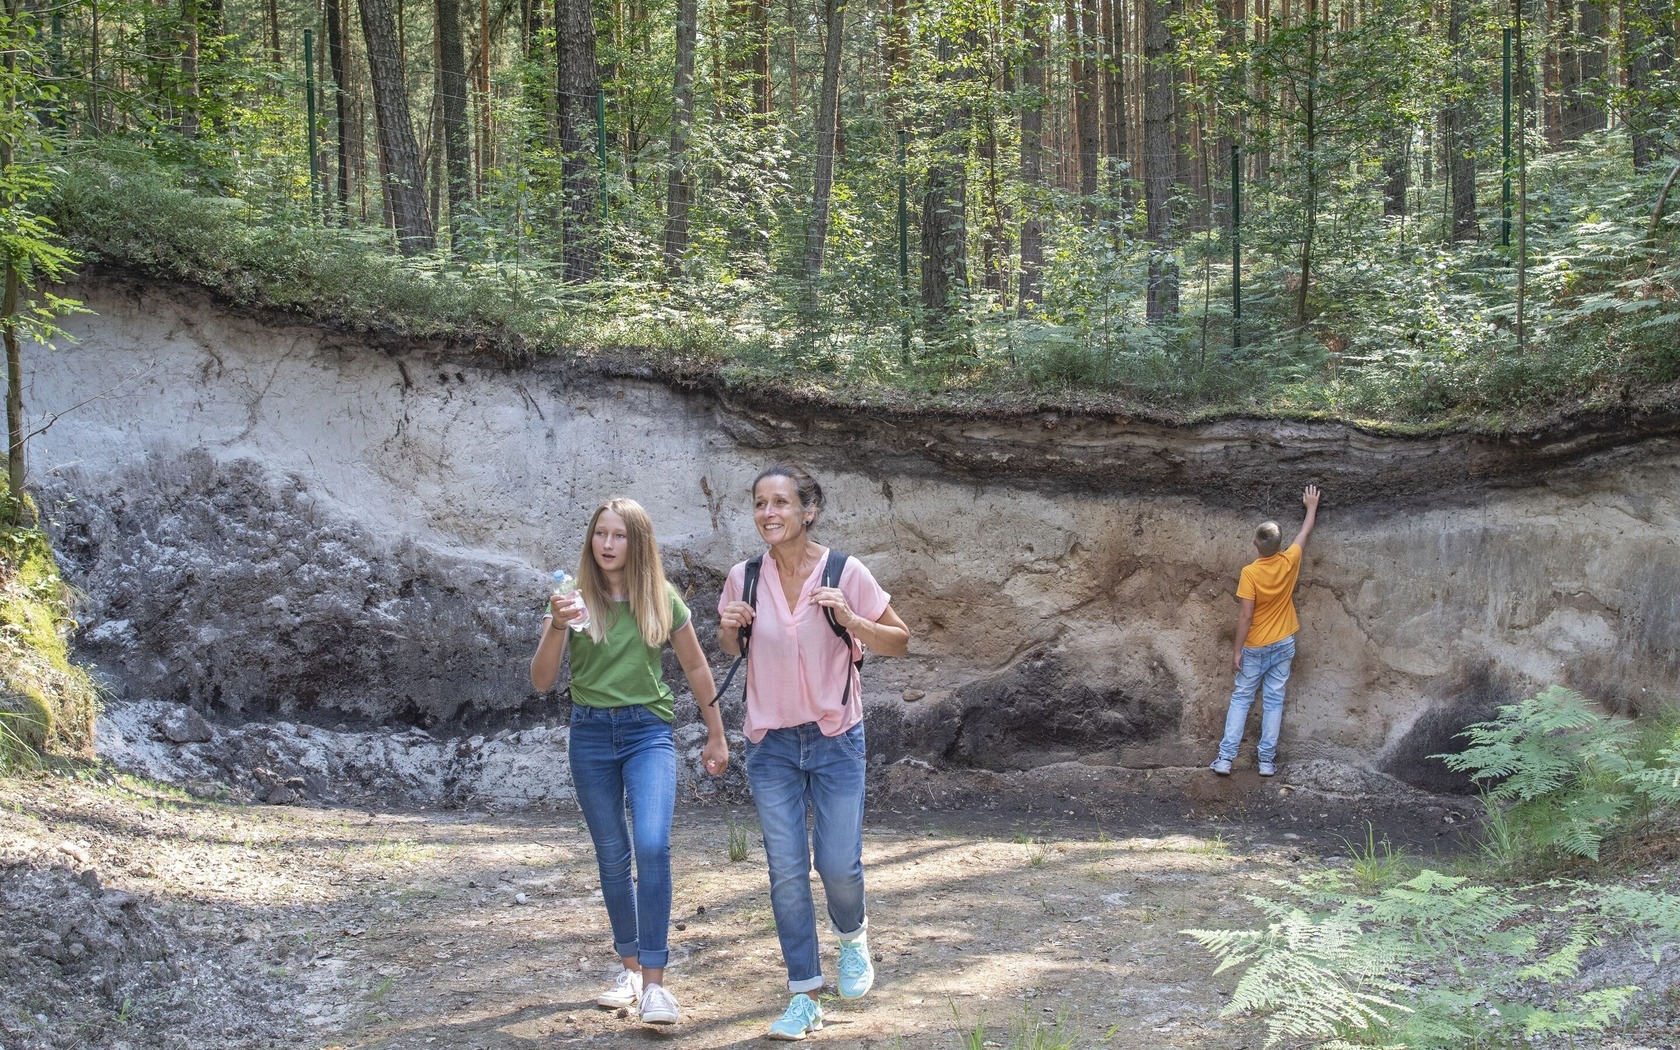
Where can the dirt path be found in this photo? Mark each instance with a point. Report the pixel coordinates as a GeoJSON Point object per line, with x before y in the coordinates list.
{"type": "Point", "coordinates": [999, 904]}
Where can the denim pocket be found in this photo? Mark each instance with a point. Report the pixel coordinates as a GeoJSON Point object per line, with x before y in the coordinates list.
{"type": "Point", "coordinates": [852, 743]}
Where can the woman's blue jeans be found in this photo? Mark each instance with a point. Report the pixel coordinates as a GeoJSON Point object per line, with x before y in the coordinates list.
{"type": "Point", "coordinates": [788, 770]}
{"type": "Point", "coordinates": [1265, 667]}
{"type": "Point", "coordinates": [623, 759]}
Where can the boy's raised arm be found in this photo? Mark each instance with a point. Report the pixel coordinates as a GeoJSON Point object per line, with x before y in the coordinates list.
{"type": "Point", "coordinates": [1310, 499]}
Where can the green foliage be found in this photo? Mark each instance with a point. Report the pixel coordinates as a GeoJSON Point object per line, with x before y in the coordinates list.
{"type": "Point", "coordinates": [1376, 865]}
{"type": "Point", "coordinates": [201, 175]}
{"type": "Point", "coordinates": [1029, 1030]}
{"type": "Point", "coordinates": [1355, 958]}
{"type": "Point", "coordinates": [1564, 776]}
{"type": "Point", "coordinates": [47, 704]}
{"type": "Point", "coordinates": [1438, 961]}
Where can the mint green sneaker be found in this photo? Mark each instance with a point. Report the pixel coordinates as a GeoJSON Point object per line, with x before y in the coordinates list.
{"type": "Point", "coordinates": [857, 972]}
{"type": "Point", "coordinates": [802, 1017]}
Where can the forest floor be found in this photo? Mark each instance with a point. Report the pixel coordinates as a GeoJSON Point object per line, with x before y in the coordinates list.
{"type": "Point", "coordinates": [135, 916]}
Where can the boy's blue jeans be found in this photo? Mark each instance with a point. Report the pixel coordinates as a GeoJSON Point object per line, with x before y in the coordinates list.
{"type": "Point", "coordinates": [1267, 667]}
{"type": "Point", "coordinates": [786, 770]}
{"type": "Point", "coordinates": [623, 757]}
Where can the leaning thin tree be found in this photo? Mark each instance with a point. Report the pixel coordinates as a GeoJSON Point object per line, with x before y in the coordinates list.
{"type": "Point", "coordinates": [29, 249]}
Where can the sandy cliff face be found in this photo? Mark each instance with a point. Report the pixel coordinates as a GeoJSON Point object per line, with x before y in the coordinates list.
{"type": "Point", "coordinates": [274, 519]}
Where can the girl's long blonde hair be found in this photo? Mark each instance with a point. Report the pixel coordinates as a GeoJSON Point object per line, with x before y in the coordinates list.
{"type": "Point", "coordinates": [644, 576]}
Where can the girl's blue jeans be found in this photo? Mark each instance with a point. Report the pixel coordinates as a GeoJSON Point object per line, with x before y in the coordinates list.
{"type": "Point", "coordinates": [789, 770]}
{"type": "Point", "coordinates": [624, 763]}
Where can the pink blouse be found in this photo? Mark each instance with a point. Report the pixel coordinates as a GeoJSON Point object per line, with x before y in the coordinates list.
{"type": "Point", "coordinates": [797, 669]}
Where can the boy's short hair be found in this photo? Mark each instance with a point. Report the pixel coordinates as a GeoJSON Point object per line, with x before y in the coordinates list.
{"type": "Point", "coordinates": [1268, 538]}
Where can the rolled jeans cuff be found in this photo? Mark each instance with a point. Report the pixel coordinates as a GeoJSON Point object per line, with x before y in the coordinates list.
{"type": "Point", "coordinates": [854, 934]}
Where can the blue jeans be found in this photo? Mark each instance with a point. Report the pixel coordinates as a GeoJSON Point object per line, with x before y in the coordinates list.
{"type": "Point", "coordinates": [787, 770]}
{"type": "Point", "coordinates": [1267, 667]}
{"type": "Point", "coordinates": [625, 755]}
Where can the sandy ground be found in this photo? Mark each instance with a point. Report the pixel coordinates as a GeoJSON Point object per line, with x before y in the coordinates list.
{"type": "Point", "coordinates": [278, 926]}
{"type": "Point", "coordinates": [1057, 905]}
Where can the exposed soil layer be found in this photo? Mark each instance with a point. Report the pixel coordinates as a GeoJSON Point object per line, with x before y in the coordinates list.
{"type": "Point", "coordinates": [1091, 443]}
{"type": "Point", "coordinates": [1245, 460]}
{"type": "Point", "coordinates": [277, 521]}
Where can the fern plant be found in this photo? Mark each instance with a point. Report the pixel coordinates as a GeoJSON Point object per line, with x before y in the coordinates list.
{"type": "Point", "coordinates": [1443, 961]}
{"type": "Point", "coordinates": [1566, 773]}
{"type": "Point", "coordinates": [1439, 962]}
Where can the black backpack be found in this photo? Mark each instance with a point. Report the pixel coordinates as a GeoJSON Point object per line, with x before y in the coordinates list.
{"type": "Point", "coordinates": [832, 568]}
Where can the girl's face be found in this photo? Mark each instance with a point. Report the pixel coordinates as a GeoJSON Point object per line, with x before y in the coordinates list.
{"type": "Point", "coordinates": [610, 542]}
{"type": "Point", "coordinates": [776, 510]}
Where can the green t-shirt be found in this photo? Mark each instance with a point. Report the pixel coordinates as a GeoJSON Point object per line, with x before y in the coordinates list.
{"type": "Point", "coordinates": [623, 669]}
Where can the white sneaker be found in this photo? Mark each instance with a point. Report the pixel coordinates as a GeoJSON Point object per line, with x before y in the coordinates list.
{"type": "Point", "coordinates": [658, 1005]}
{"type": "Point", "coordinates": [626, 989]}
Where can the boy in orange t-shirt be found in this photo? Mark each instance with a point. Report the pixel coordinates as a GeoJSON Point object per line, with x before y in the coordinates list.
{"type": "Point", "coordinates": [1265, 643]}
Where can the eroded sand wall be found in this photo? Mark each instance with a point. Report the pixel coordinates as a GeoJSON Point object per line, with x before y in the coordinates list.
{"type": "Point", "coordinates": [272, 518]}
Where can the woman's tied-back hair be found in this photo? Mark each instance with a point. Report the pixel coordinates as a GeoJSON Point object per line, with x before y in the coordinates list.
{"type": "Point", "coordinates": [644, 576]}
{"type": "Point", "coordinates": [1268, 538]}
{"type": "Point", "coordinates": [804, 486]}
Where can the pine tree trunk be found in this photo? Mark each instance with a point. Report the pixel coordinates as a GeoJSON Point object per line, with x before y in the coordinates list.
{"type": "Point", "coordinates": [1186, 138]}
{"type": "Point", "coordinates": [188, 125]}
{"type": "Point", "coordinates": [1647, 28]}
{"type": "Point", "coordinates": [1309, 205]}
{"type": "Point", "coordinates": [1584, 63]}
{"type": "Point", "coordinates": [1087, 88]}
{"type": "Point", "coordinates": [404, 187]}
{"type": "Point", "coordinates": [826, 128]}
{"type": "Point", "coordinates": [1230, 131]}
{"type": "Point", "coordinates": [1160, 162]}
{"type": "Point", "coordinates": [1457, 138]}
{"type": "Point", "coordinates": [1113, 95]}
{"type": "Point", "coordinates": [944, 246]}
{"type": "Point", "coordinates": [678, 192]}
{"type": "Point", "coordinates": [577, 83]}
{"type": "Point", "coordinates": [1028, 291]}
{"type": "Point", "coordinates": [1396, 164]}
{"type": "Point", "coordinates": [341, 101]}
{"type": "Point", "coordinates": [1551, 75]}
{"type": "Point", "coordinates": [452, 88]}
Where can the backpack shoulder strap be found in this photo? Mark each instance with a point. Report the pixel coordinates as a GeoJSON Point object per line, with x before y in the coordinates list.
{"type": "Point", "coordinates": [749, 594]}
{"type": "Point", "coordinates": [832, 568]}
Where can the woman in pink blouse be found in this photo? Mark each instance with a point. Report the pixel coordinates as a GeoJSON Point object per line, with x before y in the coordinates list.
{"type": "Point", "coordinates": [805, 724]}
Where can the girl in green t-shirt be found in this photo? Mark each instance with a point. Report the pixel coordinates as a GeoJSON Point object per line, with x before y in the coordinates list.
{"type": "Point", "coordinates": [623, 760]}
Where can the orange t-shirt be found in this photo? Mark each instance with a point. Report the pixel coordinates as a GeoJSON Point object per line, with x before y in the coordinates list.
{"type": "Point", "coordinates": [1270, 582]}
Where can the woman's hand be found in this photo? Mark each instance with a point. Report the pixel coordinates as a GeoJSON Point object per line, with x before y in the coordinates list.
{"type": "Point", "coordinates": [716, 754]}
{"type": "Point", "coordinates": [832, 598]}
{"type": "Point", "coordinates": [564, 610]}
{"type": "Point", "coordinates": [736, 615]}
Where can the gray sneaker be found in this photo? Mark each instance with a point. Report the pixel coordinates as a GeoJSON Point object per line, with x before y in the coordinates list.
{"type": "Point", "coordinates": [1268, 768]}
{"type": "Point", "coordinates": [626, 989]}
{"type": "Point", "coordinates": [658, 1005]}
{"type": "Point", "coordinates": [1222, 766]}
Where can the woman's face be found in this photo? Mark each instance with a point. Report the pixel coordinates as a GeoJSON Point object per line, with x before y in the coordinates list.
{"type": "Point", "coordinates": [610, 543]}
{"type": "Point", "coordinates": [776, 510]}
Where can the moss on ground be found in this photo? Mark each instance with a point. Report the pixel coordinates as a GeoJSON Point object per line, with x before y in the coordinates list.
{"type": "Point", "coordinates": [47, 703]}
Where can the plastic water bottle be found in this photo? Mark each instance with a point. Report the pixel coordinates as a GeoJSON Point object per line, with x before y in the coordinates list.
{"type": "Point", "coordinates": [567, 587]}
